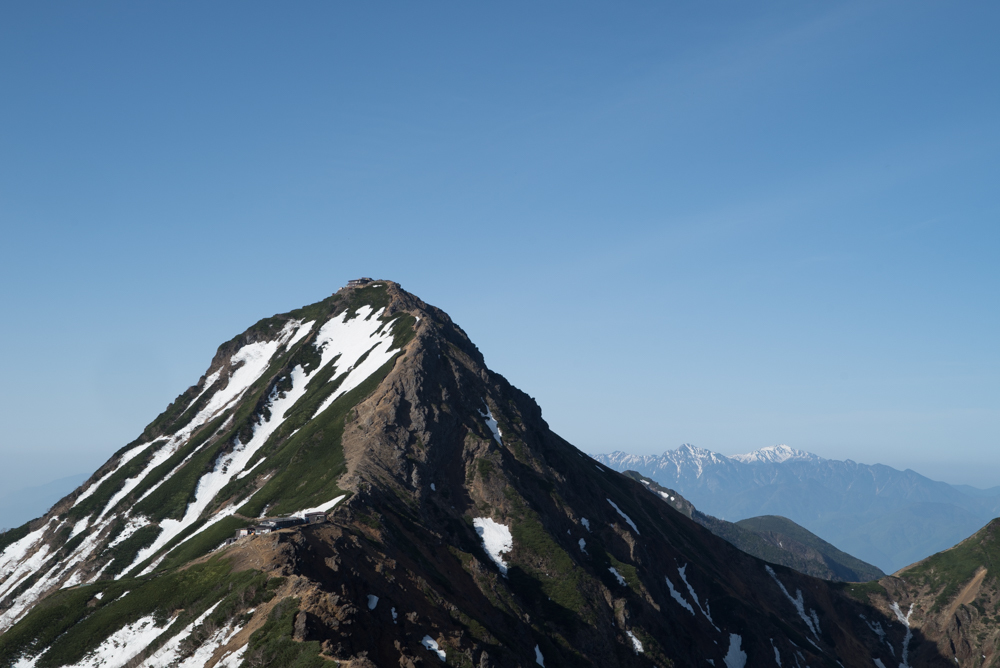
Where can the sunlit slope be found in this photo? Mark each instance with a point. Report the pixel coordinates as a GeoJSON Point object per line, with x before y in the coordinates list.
{"type": "Point", "coordinates": [258, 433]}
{"type": "Point", "coordinates": [462, 531]}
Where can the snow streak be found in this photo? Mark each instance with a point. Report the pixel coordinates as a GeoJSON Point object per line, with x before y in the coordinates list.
{"type": "Point", "coordinates": [626, 517]}
{"type": "Point", "coordinates": [811, 620]}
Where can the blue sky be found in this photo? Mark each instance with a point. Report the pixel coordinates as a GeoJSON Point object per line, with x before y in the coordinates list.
{"type": "Point", "coordinates": [734, 225]}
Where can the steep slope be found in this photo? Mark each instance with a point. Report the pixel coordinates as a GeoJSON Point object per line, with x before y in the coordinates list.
{"type": "Point", "coordinates": [461, 529]}
{"type": "Point", "coordinates": [886, 517]}
{"type": "Point", "coordinates": [952, 598]}
{"type": "Point", "coordinates": [776, 540]}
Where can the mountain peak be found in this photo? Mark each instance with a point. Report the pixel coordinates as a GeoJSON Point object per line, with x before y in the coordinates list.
{"type": "Point", "coordinates": [446, 522]}
{"type": "Point", "coordinates": [776, 454]}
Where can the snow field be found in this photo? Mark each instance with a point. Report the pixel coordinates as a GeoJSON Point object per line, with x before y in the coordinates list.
{"type": "Point", "coordinates": [24, 570]}
{"type": "Point", "coordinates": [351, 339]}
{"type": "Point", "coordinates": [229, 465]}
{"type": "Point", "coordinates": [123, 645]}
{"type": "Point", "coordinates": [168, 653]}
{"type": "Point", "coordinates": [496, 539]}
{"type": "Point", "coordinates": [15, 558]}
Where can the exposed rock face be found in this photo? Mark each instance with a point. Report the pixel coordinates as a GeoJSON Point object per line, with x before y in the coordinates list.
{"type": "Point", "coordinates": [462, 530]}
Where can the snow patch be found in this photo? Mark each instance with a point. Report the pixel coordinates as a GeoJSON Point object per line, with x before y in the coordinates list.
{"type": "Point", "coordinates": [878, 663]}
{"type": "Point", "coordinates": [134, 524]}
{"type": "Point", "coordinates": [636, 643]}
{"type": "Point", "coordinates": [232, 660]}
{"type": "Point", "coordinates": [491, 423]}
{"type": "Point", "coordinates": [324, 508]}
{"type": "Point", "coordinates": [585, 522]}
{"type": "Point", "coordinates": [539, 659]}
{"type": "Point", "coordinates": [618, 575]}
{"type": "Point", "coordinates": [430, 644]}
{"type": "Point", "coordinates": [496, 539]}
{"type": "Point", "coordinates": [905, 621]}
{"type": "Point", "coordinates": [79, 526]}
{"type": "Point", "coordinates": [682, 571]}
{"type": "Point", "coordinates": [372, 601]}
{"type": "Point", "coordinates": [735, 657]}
{"type": "Point", "coordinates": [583, 546]}
{"type": "Point", "coordinates": [626, 517]}
{"type": "Point", "coordinates": [777, 654]}
{"type": "Point", "coordinates": [677, 596]}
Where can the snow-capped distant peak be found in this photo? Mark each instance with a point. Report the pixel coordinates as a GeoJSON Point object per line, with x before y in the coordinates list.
{"type": "Point", "coordinates": [776, 454]}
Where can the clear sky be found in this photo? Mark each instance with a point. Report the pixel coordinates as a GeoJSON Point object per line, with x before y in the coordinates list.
{"type": "Point", "coordinates": [729, 224]}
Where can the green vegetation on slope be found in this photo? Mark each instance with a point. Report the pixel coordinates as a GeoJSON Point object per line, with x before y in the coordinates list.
{"type": "Point", "coordinates": [309, 463]}
{"type": "Point", "coordinates": [946, 572]}
{"type": "Point", "coordinates": [124, 553]}
{"type": "Point", "coordinates": [540, 568]}
{"type": "Point", "coordinates": [71, 623]}
{"type": "Point", "coordinates": [273, 644]}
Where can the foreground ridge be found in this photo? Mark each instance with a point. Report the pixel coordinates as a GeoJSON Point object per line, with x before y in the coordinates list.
{"type": "Point", "coordinates": [448, 524]}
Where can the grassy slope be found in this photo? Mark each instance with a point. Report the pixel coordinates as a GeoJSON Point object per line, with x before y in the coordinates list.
{"type": "Point", "coordinates": [71, 623]}
{"type": "Point", "coordinates": [946, 572]}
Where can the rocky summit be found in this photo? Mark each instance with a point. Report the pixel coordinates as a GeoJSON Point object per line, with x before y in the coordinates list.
{"type": "Point", "coordinates": [349, 484]}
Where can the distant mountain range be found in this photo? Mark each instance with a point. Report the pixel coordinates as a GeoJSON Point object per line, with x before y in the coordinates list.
{"type": "Point", "coordinates": [772, 538]}
{"type": "Point", "coordinates": [879, 514]}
